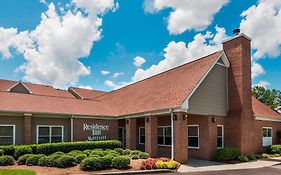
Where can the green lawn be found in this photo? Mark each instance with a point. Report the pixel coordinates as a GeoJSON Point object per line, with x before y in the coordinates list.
{"type": "Point", "coordinates": [17, 172]}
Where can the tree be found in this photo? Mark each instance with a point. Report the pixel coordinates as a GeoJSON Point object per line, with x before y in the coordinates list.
{"type": "Point", "coordinates": [270, 97]}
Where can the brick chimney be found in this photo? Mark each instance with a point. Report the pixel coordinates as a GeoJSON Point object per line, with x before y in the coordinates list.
{"type": "Point", "coordinates": [240, 117]}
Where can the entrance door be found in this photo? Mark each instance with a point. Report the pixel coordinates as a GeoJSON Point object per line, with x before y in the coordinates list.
{"type": "Point", "coordinates": [122, 136]}
{"type": "Point", "coordinates": [267, 136]}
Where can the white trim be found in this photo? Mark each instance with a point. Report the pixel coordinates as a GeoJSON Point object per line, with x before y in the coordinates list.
{"type": "Point", "coordinates": [221, 136]}
{"type": "Point", "coordinates": [198, 130]}
{"type": "Point", "coordinates": [271, 131]}
{"type": "Point", "coordinates": [140, 135]}
{"type": "Point", "coordinates": [172, 136]}
{"type": "Point", "coordinates": [9, 90]}
{"type": "Point", "coordinates": [236, 36]}
{"type": "Point", "coordinates": [265, 118]}
{"type": "Point", "coordinates": [50, 134]}
{"type": "Point", "coordinates": [185, 104]}
{"type": "Point", "coordinates": [164, 135]}
{"type": "Point", "coordinates": [71, 129]}
{"type": "Point", "coordinates": [14, 131]}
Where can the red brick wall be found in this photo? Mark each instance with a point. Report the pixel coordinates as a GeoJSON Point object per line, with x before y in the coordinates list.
{"type": "Point", "coordinates": [27, 130]}
{"type": "Point", "coordinates": [276, 126]}
{"type": "Point", "coordinates": [79, 134]}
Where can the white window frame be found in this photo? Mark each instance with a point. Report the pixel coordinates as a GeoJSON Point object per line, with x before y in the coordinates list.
{"type": "Point", "coordinates": [221, 136]}
{"type": "Point", "coordinates": [266, 137]}
{"type": "Point", "coordinates": [14, 132]}
{"type": "Point", "coordinates": [140, 135]}
{"type": "Point", "coordinates": [50, 134]}
{"type": "Point", "coordinates": [164, 135]}
{"type": "Point", "coordinates": [198, 130]}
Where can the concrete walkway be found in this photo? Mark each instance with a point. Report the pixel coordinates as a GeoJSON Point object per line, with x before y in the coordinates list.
{"type": "Point", "coordinates": [196, 165]}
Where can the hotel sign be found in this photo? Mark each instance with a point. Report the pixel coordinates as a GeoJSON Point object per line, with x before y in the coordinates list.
{"type": "Point", "coordinates": [96, 131]}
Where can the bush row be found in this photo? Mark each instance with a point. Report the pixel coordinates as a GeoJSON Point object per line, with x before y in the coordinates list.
{"type": "Point", "coordinates": [49, 148]}
{"type": "Point", "coordinates": [274, 149]}
{"type": "Point", "coordinates": [162, 163]}
{"type": "Point", "coordinates": [227, 153]}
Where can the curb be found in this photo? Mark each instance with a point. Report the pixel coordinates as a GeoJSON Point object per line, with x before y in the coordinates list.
{"type": "Point", "coordinates": [136, 172]}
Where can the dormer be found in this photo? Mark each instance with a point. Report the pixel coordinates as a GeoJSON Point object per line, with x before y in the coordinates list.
{"type": "Point", "coordinates": [20, 88]}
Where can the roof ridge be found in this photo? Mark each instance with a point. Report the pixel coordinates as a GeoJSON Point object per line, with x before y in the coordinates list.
{"type": "Point", "coordinates": [87, 89]}
{"type": "Point", "coordinates": [37, 95]}
{"type": "Point", "coordinates": [162, 73]}
{"type": "Point", "coordinates": [266, 106]}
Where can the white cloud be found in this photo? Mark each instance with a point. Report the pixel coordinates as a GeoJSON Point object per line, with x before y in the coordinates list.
{"type": "Point", "coordinates": [86, 87]}
{"type": "Point", "coordinates": [257, 70]}
{"type": "Point", "coordinates": [262, 22]}
{"type": "Point", "coordinates": [117, 74]}
{"type": "Point", "coordinates": [262, 83]}
{"type": "Point", "coordinates": [118, 85]}
{"type": "Point", "coordinates": [52, 50]}
{"type": "Point", "coordinates": [110, 83]}
{"type": "Point", "coordinates": [104, 72]}
{"type": "Point", "coordinates": [177, 53]}
{"type": "Point", "coordinates": [139, 61]}
{"type": "Point", "coordinates": [186, 14]}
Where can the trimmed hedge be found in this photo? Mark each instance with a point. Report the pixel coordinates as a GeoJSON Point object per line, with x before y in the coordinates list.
{"type": "Point", "coordinates": [143, 155]}
{"type": "Point", "coordinates": [121, 162]}
{"type": "Point", "coordinates": [227, 153]}
{"type": "Point", "coordinates": [66, 161]}
{"type": "Point", "coordinates": [80, 157]}
{"type": "Point", "coordinates": [33, 160]}
{"type": "Point", "coordinates": [6, 160]}
{"type": "Point", "coordinates": [22, 159]}
{"type": "Point", "coordinates": [49, 148]}
{"type": "Point", "coordinates": [2, 152]}
{"type": "Point", "coordinates": [91, 164]}
{"type": "Point", "coordinates": [44, 161]}
{"type": "Point", "coordinates": [22, 150]}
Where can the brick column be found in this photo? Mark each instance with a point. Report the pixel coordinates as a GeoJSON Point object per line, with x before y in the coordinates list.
{"type": "Point", "coordinates": [180, 138]}
{"type": "Point", "coordinates": [131, 133]}
{"type": "Point", "coordinates": [27, 128]}
{"type": "Point", "coordinates": [151, 123]}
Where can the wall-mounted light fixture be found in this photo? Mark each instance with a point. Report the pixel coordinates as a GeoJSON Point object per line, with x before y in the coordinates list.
{"type": "Point", "coordinates": [147, 119]}
{"type": "Point", "coordinates": [184, 117]}
{"type": "Point", "coordinates": [214, 119]}
{"type": "Point", "coordinates": [175, 117]}
{"type": "Point", "coordinates": [127, 121]}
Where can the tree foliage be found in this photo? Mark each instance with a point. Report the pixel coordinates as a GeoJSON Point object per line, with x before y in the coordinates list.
{"type": "Point", "coordinates": [270, 97]}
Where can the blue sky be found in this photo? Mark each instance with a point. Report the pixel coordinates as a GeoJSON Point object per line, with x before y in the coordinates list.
{"type": "Point", "coordinates": [128, 30]}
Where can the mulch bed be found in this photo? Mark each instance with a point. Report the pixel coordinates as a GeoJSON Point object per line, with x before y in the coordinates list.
{"type": "Point", "coordinates": [135, 165]}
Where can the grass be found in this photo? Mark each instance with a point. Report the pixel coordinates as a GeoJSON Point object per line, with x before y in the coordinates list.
{"type": "Point", "coordinates": [17, 172]}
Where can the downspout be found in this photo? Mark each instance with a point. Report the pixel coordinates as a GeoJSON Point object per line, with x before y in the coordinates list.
{"type": "Point", "coordinates": [172, 133]}
{"type": "Point", "coordinates": [71, 128]}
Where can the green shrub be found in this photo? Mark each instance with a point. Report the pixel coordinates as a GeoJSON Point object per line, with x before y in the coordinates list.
{"type": "Point", "coordinates": [22, 159]}
{"type": "Point", "coordinates": [49, 148]}
{"type": "Point", "coordinates": [2, 152]}
{"type": "Point", "coordinates": [59, 153]}
{"type": "Point", "coordinates": [227, 153]}
{"type": "Point", "coordinates": [127, 152]}
{"type": "Point", "coordinates": [274, 149]}
{"type": "Point", "coordinates": [121, 162]}
{"type": "Point", "coordinates": [113, 152]}
{"type": "Point", "coordinates": [258, 156]}
{"type": "Point", "coordinates": [80, 157]}
{"type": "Point", "coordinates": [6, 160]}
{"type": "Point", "coordinates": [53, 160]}
{"type": "Point", "coordinates": [45, 161]}
{"type": "Point", "coordinates": [22, 150]}
{"type": "Point", "coordinates": [75, 153]}
{"type": "Point", "coordinates": [134, 157]}
{"type": "Point", "coordinates": [8, 150]}
{"type": "Point", "coordinates": [135, 152]}
{"type": "Point", "coordinates": [251, 157]}
{"type": "Point", "coordinates": [94, 155]}
{"type": "Point", "coordinates": [243, 158]}
{"type": "Point", "coordinates": [33, 160]}
{"type": "Point", "coordinates": [87, 152]}
{"type": "Point", "coordinates": [106, 161]}
{"type": "Point", "coordinates": [143, 155]}
{"type": "Point", "coordinates": [66, 161]}
{"type": "Point", "coordinates": [91, 163]}
{"type": "Point", "coordinates": [98, 152]}
{"type": "Point", "coordinates": [119, 151]}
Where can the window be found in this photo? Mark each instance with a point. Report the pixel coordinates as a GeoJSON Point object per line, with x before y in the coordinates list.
{"type": "Point", "coordinates": [7, 134]}
{"type": "Point", "coordinates": [267, 136]}
{"type": "Point", "coordinates": [141, 135]}
{"type": "Point", "coordinates": [122, 135]}
{"type": "Point", "coordinates": [46, 134]}
{"type": "Point", "coordinates": [164, 135]}
{"type": "Point", "coordinates": [220, 139]}
{"type": "Point", "coordinates": [193, 136]}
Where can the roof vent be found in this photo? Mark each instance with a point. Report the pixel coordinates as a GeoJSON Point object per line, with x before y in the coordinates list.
{"type": "Point", "coordinates": [236, 32]}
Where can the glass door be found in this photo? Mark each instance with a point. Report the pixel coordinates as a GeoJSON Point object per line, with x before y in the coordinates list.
{"type": "Point", "coordinates": [122, 136]}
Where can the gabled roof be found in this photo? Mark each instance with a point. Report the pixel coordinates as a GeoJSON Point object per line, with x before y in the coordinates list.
{"type": "Point", "coordinates": [36, 89]}
{"type": "Point", "coordinates": [263, 111]}
{"type": "Point", "coordinates": [19, 102]}
{"type": "Point", "coordinates": [86, 93]}
{"type": "Point", "coordinates": [163, 91]}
